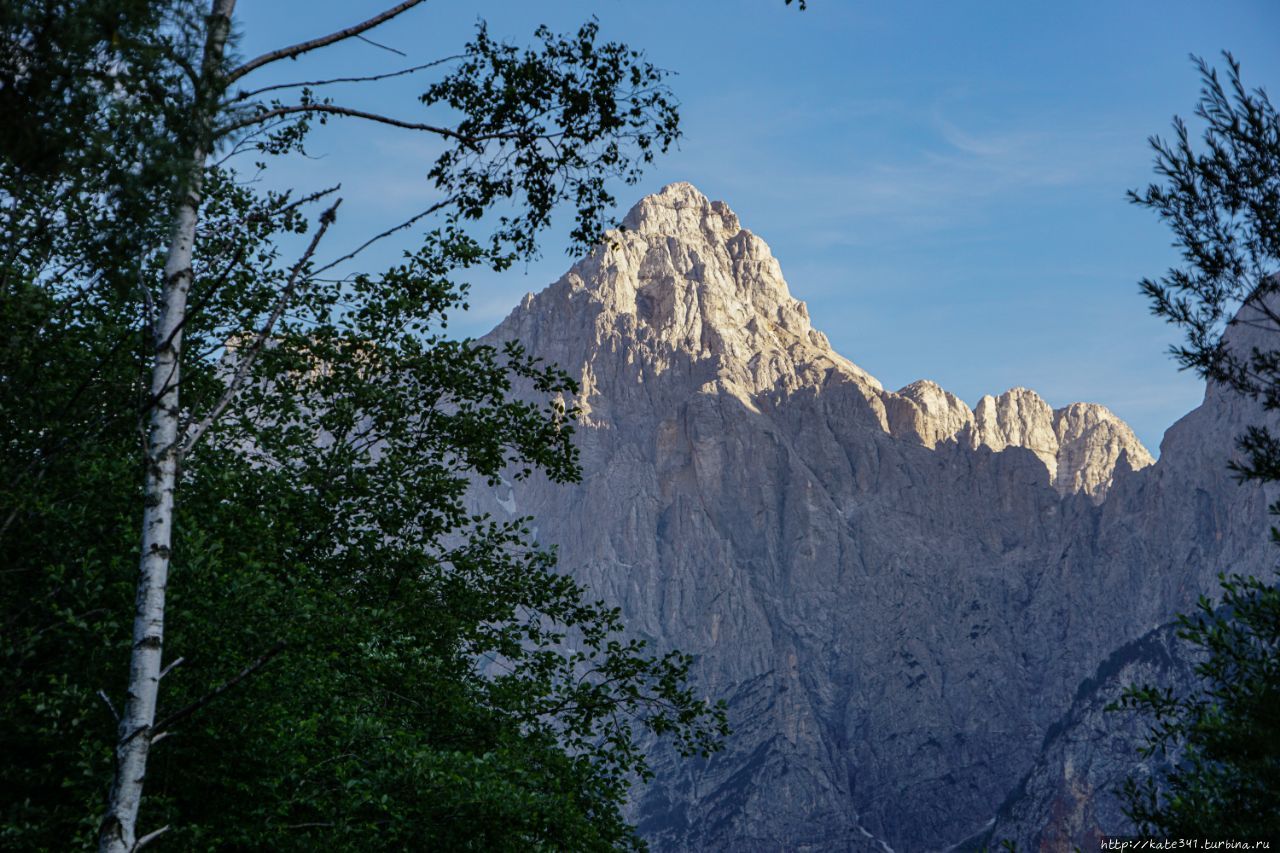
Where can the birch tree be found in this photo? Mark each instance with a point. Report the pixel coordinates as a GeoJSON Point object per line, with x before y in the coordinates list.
{"type": "Point", "coordinates": [504, 146]}
{"type": "Point", "coordinates": [161, 449]}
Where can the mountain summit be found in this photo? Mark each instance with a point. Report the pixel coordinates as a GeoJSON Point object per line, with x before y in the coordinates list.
{"type": "Point", "coordinates": [683, 283]}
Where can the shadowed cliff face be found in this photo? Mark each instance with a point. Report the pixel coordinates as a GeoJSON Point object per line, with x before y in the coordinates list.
{"type": "Point", "coordinates": [1068, 798]}
{"type": "Point", "coordinates": [898, 595]}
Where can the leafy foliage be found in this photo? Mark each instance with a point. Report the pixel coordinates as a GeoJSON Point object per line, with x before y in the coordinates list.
{"type": "Point", "coordinates": [549, 123]}
{"type": "Point", "coordinates": [1223, 205]}
{"type": "Point", "coordinates": [356, 660]}
{"type": "Point", "coordinates": [1228, 772]}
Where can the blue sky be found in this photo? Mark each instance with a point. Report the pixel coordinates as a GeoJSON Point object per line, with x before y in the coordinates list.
{"type": "Point", "coordinates": [943, 183]}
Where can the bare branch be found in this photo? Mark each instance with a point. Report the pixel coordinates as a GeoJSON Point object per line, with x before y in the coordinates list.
{"type": "Point", "coordinates": [244, 96]}
{"type": "Point", "coordinates": [387, 48]}
{"type": "Point", "coordinates": [244, 143]}
{"type": "Point", "coordinates": [367, 243]}
{"type": "Point", "coordinates": [247, 360]}
{"type": "Point", "coordinates": [102, 694]}
{"type": "Point", "coordinates": [175, 664]}
{"type": "Point", "coordinates": [149, 306]}
{"type": "Point", "coordinates": [8, 519]}
{"type": "Point", "coordinates": [294, 51]}
{"type": "Point", "coordinates": [150, 836]}
{"type": "Point", "coordinates": [307, 199]}
{"type": "Point", "coordinates": [219, 690]}
{"type": "Point", "coordinates": [333, 109]}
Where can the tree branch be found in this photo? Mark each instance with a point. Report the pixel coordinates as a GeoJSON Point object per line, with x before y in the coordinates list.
{"type": "Point", "coordinates": [294, 51]}
{"type": "Point", "coordinates": [244, 96]}
{"type": "Point", "coordinates": [387, 48]}
{"type": "Point", "coordinates": [176, 663]}
{"type": "Point", "coordinates": [149, 306]}
{"type": "Point", "coordinates": [247, 360]}
{"type": "Point", "coordinates": [149, 837]}
{"type": "Point", "coordinates": [102, 694]}
{"type": "Point", "coordinates": [367, 243]}
{"type": "Point", "coordinates": [293, 205]}
{"type": "Point", "coordinates": [333, 109]}
{"type": "Point", "coordinates": [220, 689]}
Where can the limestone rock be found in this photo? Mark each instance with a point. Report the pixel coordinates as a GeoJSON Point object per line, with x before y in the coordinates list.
{"type": "Point", "coordinates": [898, 597]}
{"type": "Point", "coordinates": [1018, 418]}
{"type": "Point", "coordinates": [1091, 442]}
{"type": "Point", "coordinates": [1068, 799]}
{"type": "Point", "coordinates": [929, 413]}
{"type": "Point", "coordinates": [1080, 444]}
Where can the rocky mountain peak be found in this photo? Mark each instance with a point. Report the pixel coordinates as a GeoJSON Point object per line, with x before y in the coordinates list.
{"type": "Point", "coordinates": [692, 270]}
{"type": "Point", "coordinates": [1080, 444]}
{"type": "Point", "coordinates": [1019, 418]}
{"type": "Point", "coordinates": [683, 287]}
{"type": "Point", "coordinates": [930, 414]}
{"type": "Point", "coordinates": [1093, 447]}
{"type": "Point", "coordinates": [682, 281]}
{"type": "Point", "coordinates": [680, 208]}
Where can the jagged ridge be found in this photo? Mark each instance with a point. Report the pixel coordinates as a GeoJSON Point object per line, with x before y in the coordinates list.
{"type": "Point", "coordinates": [684, 277]}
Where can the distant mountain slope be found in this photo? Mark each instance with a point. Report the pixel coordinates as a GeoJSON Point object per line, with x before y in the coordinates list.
{"type": "Point", "coordinates": [898, 595]}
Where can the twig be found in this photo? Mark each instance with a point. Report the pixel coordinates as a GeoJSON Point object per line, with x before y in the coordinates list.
{"type": "Point", "coordinates": [150, 307]}
{"type": "Point", "coordinates": [367, 243]}
{"type": "Point", "coordinates": [245, 143]}
{"type": "Point", "coordinates": [315, 196]}
{"type": "Point", "coordinates": [219, 690]}
{"type": "Point", "coordinates": [247, 360]}
{"type": "Point", "coordinates": [244, 96]}
{"type": "Point", "coordinates": [102, 694]}
{"type": "Point", "coordinates": [333, 109]}
{"type": "Point", "coordinates": [383, 46]}
{"type": "Point", "coordinates": [294, 51]}
{"type": "Point", "coordinates": [150, 836]}
{"type": "Point", "coordinates": [171, 666]}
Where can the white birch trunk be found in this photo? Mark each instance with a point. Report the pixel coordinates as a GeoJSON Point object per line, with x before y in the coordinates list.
{"type": "Point", "coordinates": [118, 833]}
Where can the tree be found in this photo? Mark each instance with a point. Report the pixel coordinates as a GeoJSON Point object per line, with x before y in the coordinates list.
{"type": "Point", "coordinates": [1223, 205]}
{"type": "Point", "coordinates": [306, 445]}
{"type": "Point", "coordinates": [1227, 735]}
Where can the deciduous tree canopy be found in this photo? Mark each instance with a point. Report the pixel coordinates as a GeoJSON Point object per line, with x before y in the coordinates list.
{"type": "Point", "coordinates": [328, 651]}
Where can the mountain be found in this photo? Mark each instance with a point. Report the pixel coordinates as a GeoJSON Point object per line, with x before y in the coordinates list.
{"type": "Point", "coordinates": [899, 596]}
{"type": "Point", "coordinates": [1068, 799]}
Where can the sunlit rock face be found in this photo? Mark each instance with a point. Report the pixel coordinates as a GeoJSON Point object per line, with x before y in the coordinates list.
{"type": "Point", "coordinates": [897, 595]}
{"type": "Point", "coordinates": [1080, 444]}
